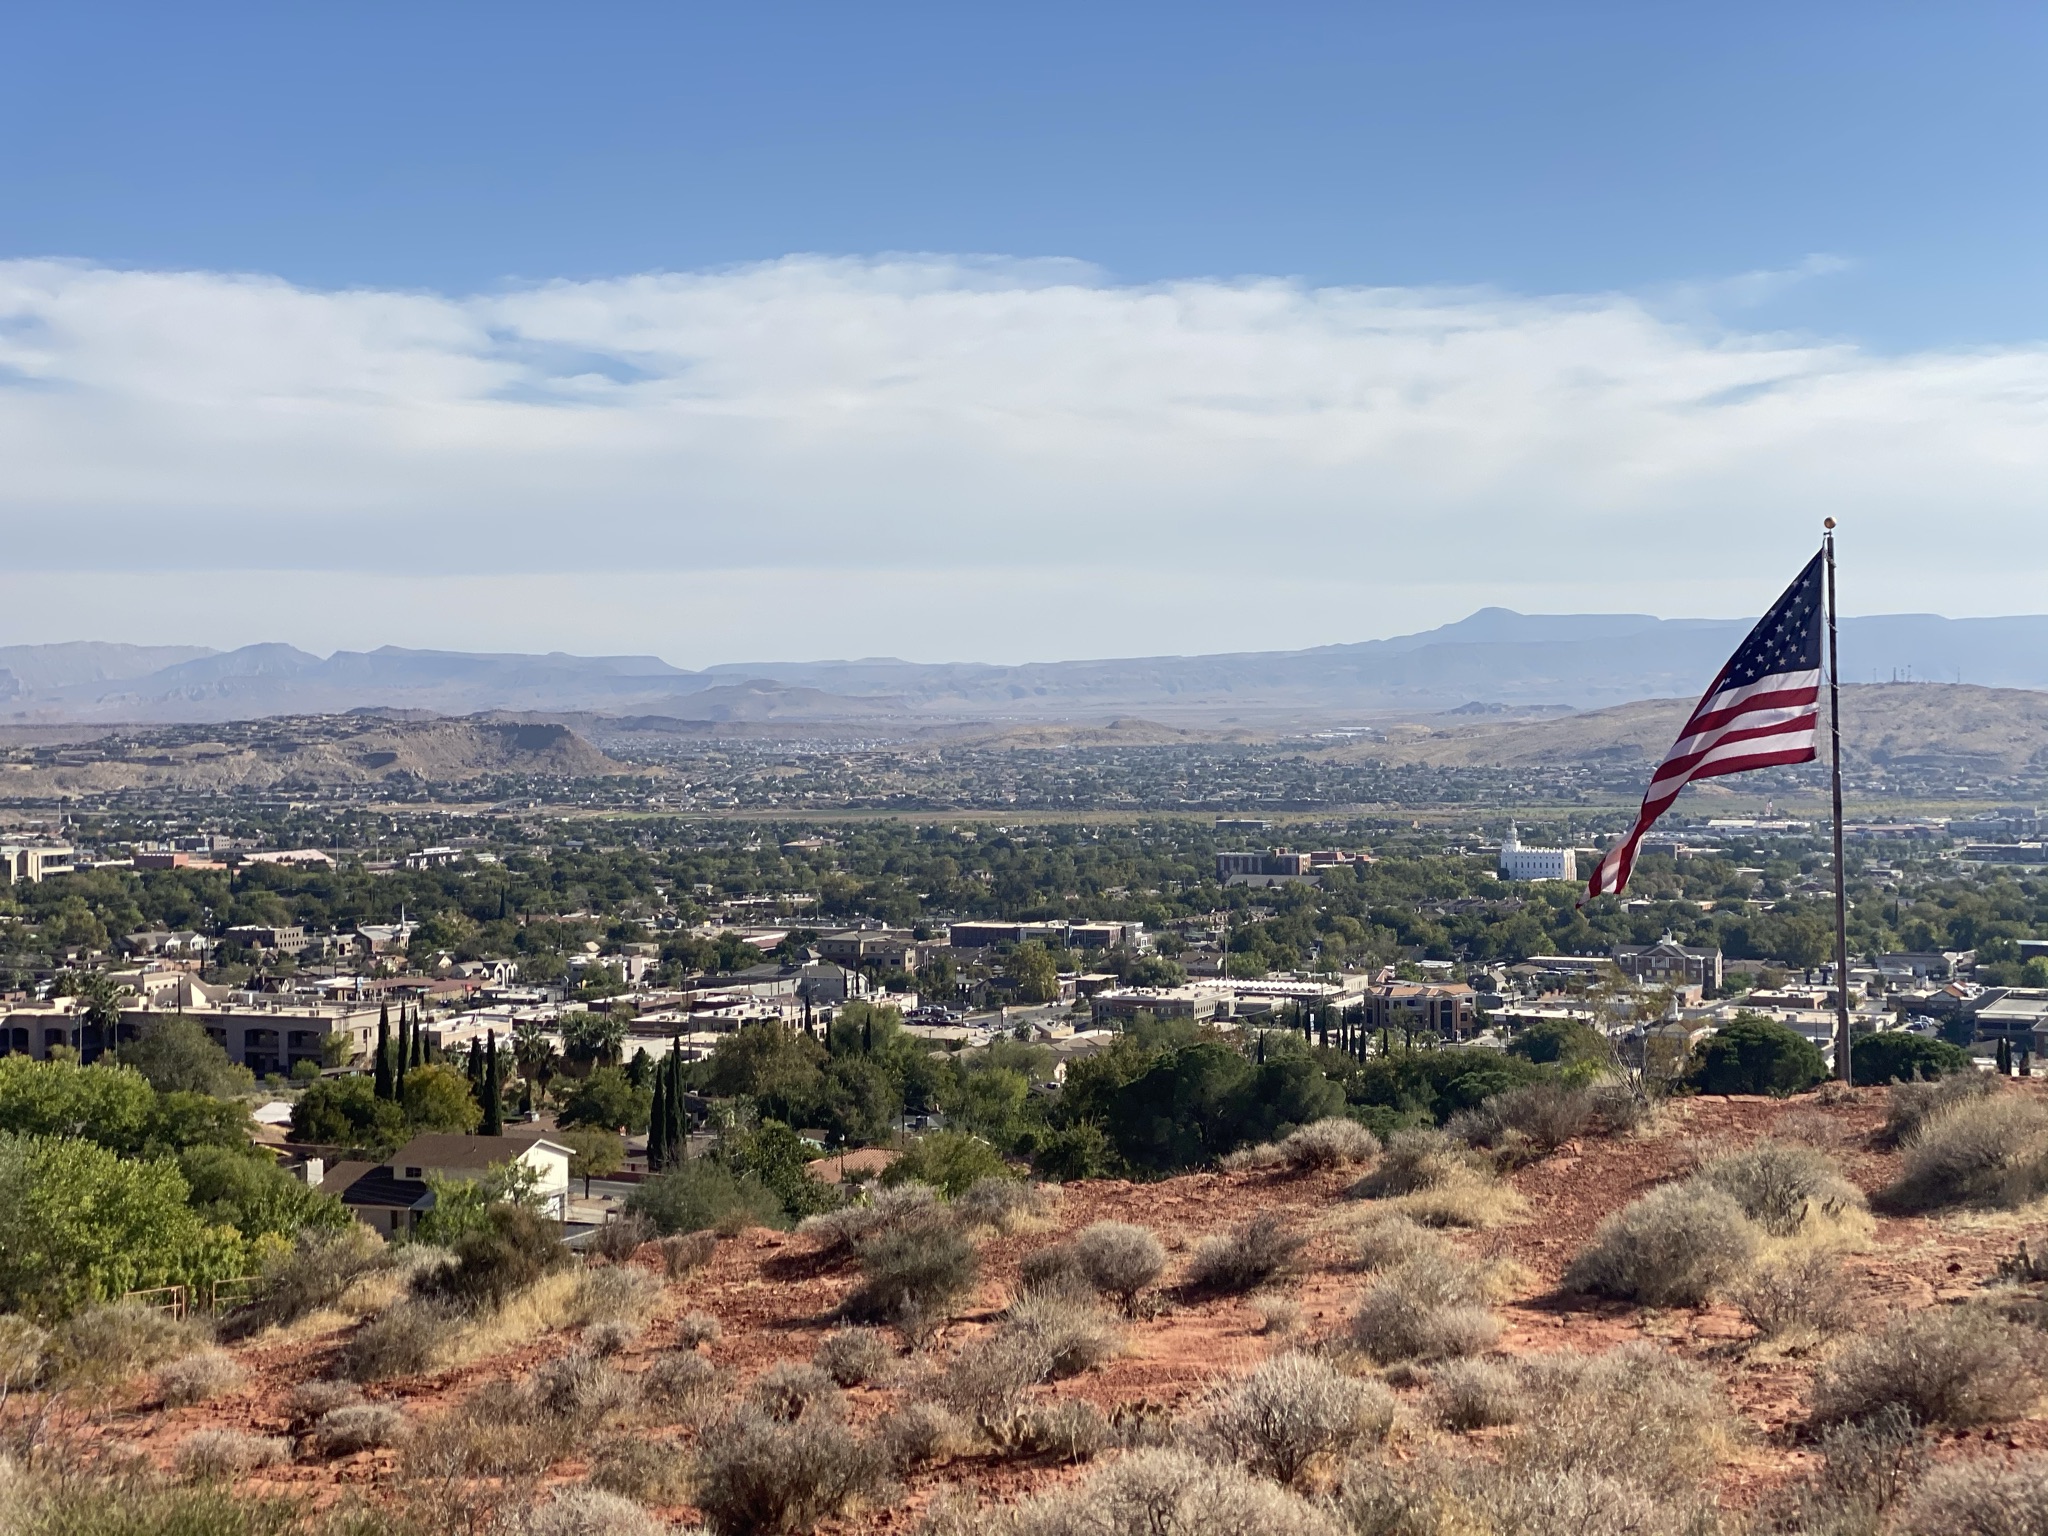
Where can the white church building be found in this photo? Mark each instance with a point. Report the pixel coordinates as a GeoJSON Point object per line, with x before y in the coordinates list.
{"type": "Point", "coordinates": [1520, 863]}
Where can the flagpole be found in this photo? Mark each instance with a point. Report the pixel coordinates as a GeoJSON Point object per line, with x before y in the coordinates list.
{"type": "Point", "coordinates": [1842, 1068]}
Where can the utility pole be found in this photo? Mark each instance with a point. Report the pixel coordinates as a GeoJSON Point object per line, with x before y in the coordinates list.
{"type": "Point", "coordinates": [1842, 1066]}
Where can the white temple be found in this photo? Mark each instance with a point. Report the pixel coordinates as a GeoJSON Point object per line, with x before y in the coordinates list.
{"type": "Point", "coordinates": [1520, 863]}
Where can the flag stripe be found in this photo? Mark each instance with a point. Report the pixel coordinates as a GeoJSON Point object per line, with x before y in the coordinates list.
{"type": "Point", "coordinates": [1761, 711]}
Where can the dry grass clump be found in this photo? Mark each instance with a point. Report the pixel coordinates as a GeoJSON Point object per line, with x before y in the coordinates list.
{"type": "Point", "coordinates": [401, 1342]}
{"type": "Point", "coordinates": [1788, 1189]}
{"type": "Point", "coordinates": [755, 1475]}
{"type": "Point", "coordinates": [1798, 1294]}
{"type": "Point", "coordinates": [589, 1512]}
{"type": "Point", "coordinates": [1072, 1335]}
{"type": "Point", "coordinates": [199, 1378]}
{"type": "Point", "coordinates": [910, 1272]}
{"type": "Point", "coordinates": [855, 1357]}
{"type": "Point", "coordinates": [1429, 1307]}
{"type": "Point", "coordinates": [1908, 1106]}
{"type": "Point", "coordinates": [1156, 1493]}
{"type": "Point", "coordinates": [1481, 1498]}
{"type": "Point", "coordinates": [1332, 1143]}
{"type": "Point", "coordinates": [686, 1252]}
{"type": "Point", "coordinates": [681, 1383]}
{"type": "Point", "coordinates": [1635, 1413]}
{"type": "Point", "coordinates": [1066, 1429]}
{"type": "Point", "coordinates": [1678, 1246]}
{"type": "Point", "coordinates": [1118, 1259]}
{"type": "Point", "coordinates": [1254, 1254]}
{"type": "Point", "coordinates": [1477, 1394]}
{"type": "Point", "coordinates": [1439, 1182]}
{"type": "Point", "coordinates": [986, 1378]}
{"type": "Point", "coordinates": [311, 1401]}
{"type": "Point", "coordinates": [498, 1431]}
{"type": "Point", "coordinates": [1007, 1206]}
{"type": "Point", "coordinates": [1990, 1151]}
{"type": "Point", "coordinates": [1982, 1498]}
{"type": "Point", "coordinates": [613, 1338]}
{"type": "Point", "coordinates": [647, 1471]}
{"type": "Point", "coordinates": [582, 1389]}
{"type": "Point", "coordinates": [696, 1329]}
{"type": "Point", "coordinates": [844, 1230]}
{"type": "Point", "coordinates": [614, 1294]}
{"type": "Point", "coordinates": [1279, 1316]}
{"type": "Point", "coordinates": [101, 1347]}
{"type": "Point", "coordinates": [789, 1389]}
{"type": "Point", "coordinates": [216, 1455]}
{"type": "Point", "coordinates": [321, 1267]}
{"type": "Point", "coordinates": [1054, 1270]}
{"type": "Point", "coordinates": [356, 1427]}
{"type": "Point", "coordinates": [1537, 1117]}
{"type": "Point", "coordinates": [617, 1241]}
{"type": "Point", "coordinates": [1291, 1411]}
{"type": "Point", "coordinates": [922, 1434]}
{"type": "Point", "coordinates": [1945, 1365]}
{"type": "Point", "coordinates": [1866, 1469]}
{"type": "Point", "coordinates": [1395, 1239]}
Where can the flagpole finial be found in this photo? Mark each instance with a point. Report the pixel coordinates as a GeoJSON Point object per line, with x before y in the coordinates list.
{"type": "Point", "coordinates": [1827, 522]}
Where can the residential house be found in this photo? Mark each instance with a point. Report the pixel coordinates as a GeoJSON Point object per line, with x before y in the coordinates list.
{"type": "Point", "coordinates": [392, 1196]}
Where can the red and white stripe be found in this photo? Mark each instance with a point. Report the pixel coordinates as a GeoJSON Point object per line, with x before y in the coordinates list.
{"type": "Point", "coordinates": [1764, 724]}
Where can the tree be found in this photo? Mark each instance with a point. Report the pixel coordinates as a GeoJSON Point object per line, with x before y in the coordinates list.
{"type": "Point", "coordinates": [1036, 975]}
{"type": "Point", "coordinates": [607, 1098]}
{"type": "Point", "coordinates": [177, 1054]}
{"type": "Point", "coordinates": [593, 1038]}
{"type": "Point", "coordinates": [593, 1153]}
{"type": "Point", "coordinates": [1753, 1054]}
{"type": "Point", "coordinates": [952, 1162]}
{"type": "Point", "coordinates": [1897, 1056]}
{"type": "Point", "coordinates": [438, 1098]}
{"type": "Point", "coordinates": [535, 1056]}
{"type": "Point", "coordinates": [104, 1103]}
{"type": "Point", "coordinates": [705, 1193]}
{"type": "Point", "coordinates": [347, 1112]}
{"type": "Point", "coordinates": [1564, 1041]}
{"type": "Point", "coordinates": [780, 1159]}
{"type": "Point", "coordinates": [79, 1224]}
{"type": "Point", "coordinates": [246, 1190]}
{"type": "Point", "coordinates": [383, 1064]}
{"type": "Point", "coordinates": [494, 1089]}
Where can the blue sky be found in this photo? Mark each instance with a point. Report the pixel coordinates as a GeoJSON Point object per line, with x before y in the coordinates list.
{"type": "Point", "coordinates": [1856, 191]}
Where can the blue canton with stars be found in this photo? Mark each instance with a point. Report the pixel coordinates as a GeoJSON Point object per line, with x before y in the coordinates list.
{"type": "Point", "coordinates": [1787, 639]}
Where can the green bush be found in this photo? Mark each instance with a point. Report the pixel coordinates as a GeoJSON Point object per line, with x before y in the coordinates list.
{"type": "Point", "coordinates": [952, 1162]}
{"type": "Point", "coordinates": [1564, 1042]}
{"type": "Point", "coordinates": [1755, 1055]}
{"type": "Point", "coordinates": [1896, 1056]}
{"type": "Point", "coordinates": [176, 1054]}
{"type": "Point", "coordinates": [1074, 1152]}
{"type": "Point", "coordinates": [702, 1195]}
{"type": "Point", "coordinates": [512, 1249]}
{"type": "Point", "coordinates": [247, 1190]}
{"type": "Point", "coordinates": [346, 1112]}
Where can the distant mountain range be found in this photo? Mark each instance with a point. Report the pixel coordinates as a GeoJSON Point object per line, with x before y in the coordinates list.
{"type": "Point", "coordinates": [1494, 662]}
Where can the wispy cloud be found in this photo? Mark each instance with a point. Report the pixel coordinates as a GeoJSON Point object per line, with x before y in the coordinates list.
{"type": "Point", "coordinates": [910, 417]}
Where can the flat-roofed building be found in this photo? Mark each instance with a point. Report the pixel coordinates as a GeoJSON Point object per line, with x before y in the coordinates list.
{"type": "Point", "coordinates": [31, 863]}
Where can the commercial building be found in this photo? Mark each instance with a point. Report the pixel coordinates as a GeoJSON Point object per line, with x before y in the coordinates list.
{"type": "Point", "coordinates": [1668, 963]}
{"type": "Point", "coordinates": [988, 935]}
{"type": "Point", "coordinates": [283, 941]}
{"type": "Point", "coordinates": [30, 863]}
{"type": "Point", "coordinates": [1411, 1008]}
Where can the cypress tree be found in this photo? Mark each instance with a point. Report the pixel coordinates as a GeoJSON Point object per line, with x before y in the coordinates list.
{"type": "Point", "coordinates": [404, 1053]}
{"type": "Point", "coordinates": [476, 1066]}
{"type": "Point", "coordinates": [867, 1036]}
{"type": "Point", "coordinates": [657, 1122]}
{"type": "Point", "coordinates": [383, 1067]}
{"type": "Point", "coordinates": [494, 1108]}
{"type": "Point", "coordinates": [2004, 1057]}
{"type": "Point", "coordinates": [678, 1148]}
{"type": "Point", "coordinates": [419, 1040]}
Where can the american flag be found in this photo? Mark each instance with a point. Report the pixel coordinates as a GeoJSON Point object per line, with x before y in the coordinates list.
{"type": "Point", "coordinates": [1759, 713]}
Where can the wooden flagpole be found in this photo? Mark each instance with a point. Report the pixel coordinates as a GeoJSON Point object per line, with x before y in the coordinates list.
{"type": "Point", "coordinates": [1842, 1067]}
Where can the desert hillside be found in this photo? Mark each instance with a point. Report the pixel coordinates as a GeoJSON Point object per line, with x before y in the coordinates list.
{"type": "Point", "coordinates": [1433, 1312]}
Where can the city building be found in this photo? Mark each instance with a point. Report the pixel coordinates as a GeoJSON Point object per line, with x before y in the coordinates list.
{"type": "Point", "coordinates": [31, 862]}
{"type": "Point", "coordinates": [283, 941]}
{"type": "Point", "coordinates": [1518, 862]}
{"type": "Point", "coordinates": [1273, 862]}
{"type": "Point", "coordinates": [1412, 1008]}
{"type": "Point", "coordinates": [1668, 963]}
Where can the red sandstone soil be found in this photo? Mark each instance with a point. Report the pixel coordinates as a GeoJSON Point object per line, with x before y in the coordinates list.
{"type": "Point", "coordinates": [774, 1296]}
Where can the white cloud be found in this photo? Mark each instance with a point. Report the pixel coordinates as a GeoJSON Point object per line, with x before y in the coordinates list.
{"type": "Point", "coordinates": [952, 458]}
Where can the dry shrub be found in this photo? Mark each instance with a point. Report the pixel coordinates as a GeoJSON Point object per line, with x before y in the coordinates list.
{"type": "Point", "coordinates": [789, 1389]}
{"type": "Point", "coordinates": [1801, 1293]}
{"type": "Point", "coordinates": [613, 1338]}
{"type": "Point", "coordinates": [1073, 1335]}
{"type": "Point", "coordinates": [1118, 1259]}
{"type": "Point", "coordinates": [921, 1434]}
{"type": "Point", "coordinates": [1477, 1394]}
{"type": "Point", "coordinates": [1538, 1116]}
{"type": "Point", "coordinates": [103, 1346]}
{"type": "Point", "coordinates": [1785, 1188]}
{"type": "Point", "coordinates": [1055, 1270]}
{"type": "Point", "coordinates": [844, 1230]}
{"type": "Point", "coordinates": [986, 1378]}
{"type": "Point", "coordinates": [1946, 1366]}
{"type": "Point", "coordinates": [1439, 1182]}
{"type": "Point", "coordinates": [1332, 1143]}
{"type": "Point", "coordinates": [1635, 1413]}
{"type": "Point", "coordinates": [696, 1329]}
{"type": "Point", "coordinates": [1975, 1151]}
{"type": "Point", "coordinates": [582, 1389]}
{"type": "Point", "coordinates": [589, 1512]}
{"type": "Point", "coordinates": [216, 1455]}
{"type": "Point", "coordinates": [1908, 1106]}
{"type": "Point", "coordinates": [1265, 1154]}
{"type": "Point", "coordinates": [1982, 1498]}
{"type": "Point", "coordinates": [1007, 1206]}
{"type": "Point", "coordinates": [910, 1272]}
{"type": "Point", "coordinates": [1162, 1493]}
{"type": "Point", "coordinates": [1066, 1429]}
{"type": "Point", "coordinates": [358, 1427]}
{"type": "Point", "coordinates": [1292, 1410]}
{"type": "Point", "coordinates": [498, 1431]}
{"type": "Point", "coordinates": [615, 1294]}
{"type": "Point", "coordinates": [1395, 1239]}
{"type": "Point", "coordinates": [313, 1400]}
{"type": "Point", "coordinates": [1620, 1107]}
{"type": "Point", "coordinates": [316, 1273]}
{"type": "Point", "coordinates": [22, 1348]}
{"type": "Point", "coordinates": [402, 1342]}
{"type": "Point", "coordinates": [649, 1471]}
{"type": "Point", "coordinates": [1479, 1498]}
{"type": "Point", "coordinates": [1430, 1307]}
{"type": "Point", "coordinates": [1279, 1316]}
{"type": "Point", "coordinates": [855, 1357]}
{"type": "Point", "coordinates": [686, 1252]}
{"type": "Point", "coordinates": [1866, 1469]}
{"type": "Point", "coordinates": [1678, 1246]}
{"type": "Point", "coordinates": [1252, 1255]}
{"type": "Point", "coordinates": [756, 1475]}
{"type": "Point", "coordinates": [682, 1383]}
{"type": "Point", "coordinates": [199, 1378]}
{"type": "Point", "coordinates": [489, 1264]}
{"type": "Point", "coordinates": [617, 1241]}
